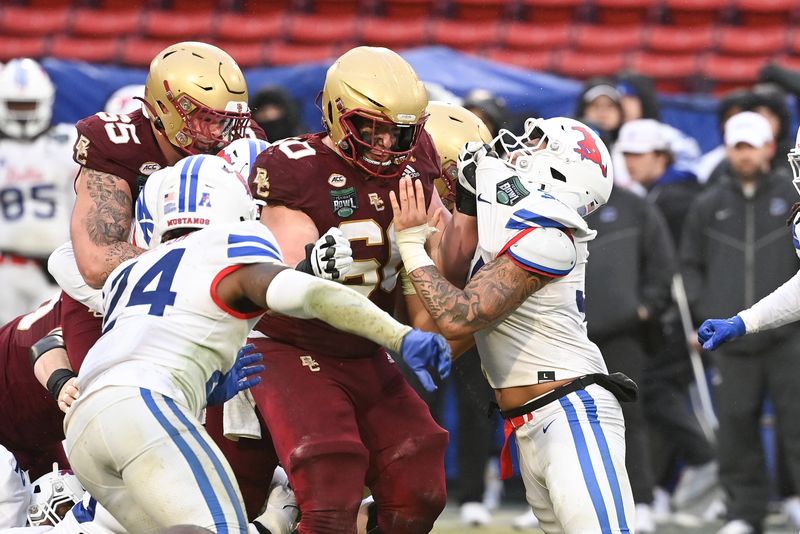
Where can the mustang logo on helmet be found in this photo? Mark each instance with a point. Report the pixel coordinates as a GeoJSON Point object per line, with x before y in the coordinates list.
{"type": "Point", "coordinates": [587, 148]}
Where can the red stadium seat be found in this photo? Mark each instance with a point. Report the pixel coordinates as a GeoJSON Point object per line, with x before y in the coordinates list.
{"type": "Point", "coordinates": [696, 12]}
{"type": "Point", "coordinates": [793, 43]}
{"type": "Point", "coordinates": [676, 39]}
{"type": "Point", "coordinates": [251, 27]}
{"type": "Point", "coordinates": [13, 47]}
{"type": "Point", "coordinates": [467, 36]}
{"type": "Point", "coordinates": [199, 5]}
{"type": "Point", "coordinates": [105, 23]}
{"type": "Point", "coordinates": [765, 12]}
{"type": "Point", "coordinates": [607, 38]}
{"type": "Point", "coordinates": [140, 52]}
{"type": "Point", "coordinates": [729, 72]}
{"type": "Point", "coordinates": [480, 10]}
{"type": "Point", "coordinates": [541, 60]}
{"type": "Point", "coordinates": [380, 31]}
{"type": "Point", "coordinates": [789, 62]}
{"type": "Point", "coordinates": [32, 22]}
{"type": "Point", "coordinates": [549, 11]}
{"type": "Point", "coordinates": [320, 29]}
{"type": "Point", "coordinates": [341, 7]}
{"type": "Point", "coordinates": [266, 6]}
{"type": "Point", "coordinates": [536, 36]}
{"type": "Point", "coordinates": [247, 55]}
{"type": "Point", "coordinates": [91, 50]}
{"type": "Point", "coordinates": [177, 26]}
{"type": "Point", "coordinates": [584, 65]}
{"type": "Point", "coordinates": [623, 12]}
{"type": "Point", "coordinates": [289, 54]}
{"type": "Point", "coordinates": [669, 73]}
{"type": "Point", "coordinates": [746, 41]}
{"type": "Point", "coordinates": [410, 9]}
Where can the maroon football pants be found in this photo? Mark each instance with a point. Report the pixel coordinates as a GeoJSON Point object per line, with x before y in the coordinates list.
{"type": "Point", "coordinates": [341, 424]}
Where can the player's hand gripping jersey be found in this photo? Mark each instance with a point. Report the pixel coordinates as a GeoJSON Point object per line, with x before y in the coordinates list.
{"type": "Point", "coordinates": [170, 293]}
{"type": "Point", "coordinates": [545, 338]}
{"type": "Point", "coordinates": [302, 173]}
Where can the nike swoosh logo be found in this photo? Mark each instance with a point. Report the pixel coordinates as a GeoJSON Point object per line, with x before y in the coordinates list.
{"type": "Point", "coordinates": [544, 430]}
{"type": "Point", "coordinates": [481, 199]}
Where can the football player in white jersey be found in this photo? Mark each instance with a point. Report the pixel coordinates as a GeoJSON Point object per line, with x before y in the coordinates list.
{"type": "Point", "coordinates": [174, 318]}
{"type": "Point", "coordinates": [36, 194]}
{"type": "Point", "coordinates": [15, 491]}
{"type": "Point", "coordinates": [525, 308]}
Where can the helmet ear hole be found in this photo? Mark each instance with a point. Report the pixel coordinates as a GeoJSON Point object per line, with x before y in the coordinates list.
{"type": "Point", "coordinates": [557, 175]}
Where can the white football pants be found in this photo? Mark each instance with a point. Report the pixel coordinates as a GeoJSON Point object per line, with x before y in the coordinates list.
{"type": "Point", "coordinates": [148, 460]}
{"type": "Point", "coordinates": [572, 460]}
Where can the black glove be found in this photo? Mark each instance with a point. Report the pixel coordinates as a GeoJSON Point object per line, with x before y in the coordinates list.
{"type": "Point", "coordinates": [468, 159]}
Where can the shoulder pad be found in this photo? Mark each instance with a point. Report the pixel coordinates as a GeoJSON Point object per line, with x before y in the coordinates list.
{"type": "Point", "coordinates": [249, 242]}
{"type": "Point", "coordinates": [545, 210]}
{"type": "Point", "coordinates": [544, 250]}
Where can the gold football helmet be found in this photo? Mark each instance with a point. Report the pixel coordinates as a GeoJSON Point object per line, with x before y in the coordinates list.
{"type": "Point", "coordinates": [451, 127]}
{"type": "Point", "coordinates": [373, 107]}
{"type": "Point", "coordinates": [196, 94]}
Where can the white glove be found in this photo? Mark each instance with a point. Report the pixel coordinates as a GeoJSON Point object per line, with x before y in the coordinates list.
{"type": "Point", "coordinates": [329, 258]}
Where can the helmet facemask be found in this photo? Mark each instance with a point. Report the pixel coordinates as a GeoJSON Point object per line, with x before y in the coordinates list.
{"type": "Point", "coordinates": [206, 130]}
{"type": "Point", "coordinates": [794, 162]}
{"type": "Point", "coordinates": [365, 132]}
{"type": "Point", "coordinates": [54, 494]}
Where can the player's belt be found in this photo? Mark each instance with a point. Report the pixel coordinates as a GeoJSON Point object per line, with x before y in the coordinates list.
{"type": "Point", "coordinates": [13, 259]}
{"type": "Point", "coordinates": [622, 387]}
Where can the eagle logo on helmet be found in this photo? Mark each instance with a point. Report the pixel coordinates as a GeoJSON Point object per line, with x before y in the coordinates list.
{"type": "Point", "coordinates": [587, 148]}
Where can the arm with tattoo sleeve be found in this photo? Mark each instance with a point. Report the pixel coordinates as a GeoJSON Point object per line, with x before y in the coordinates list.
{"type": "Point", "coordinates": [495, 291]}
{"type": "Point", "coordinates": [101, 221]}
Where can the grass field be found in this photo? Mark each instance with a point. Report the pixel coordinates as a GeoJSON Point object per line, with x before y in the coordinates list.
{"type": "Point", "coordinates": [449, 523]}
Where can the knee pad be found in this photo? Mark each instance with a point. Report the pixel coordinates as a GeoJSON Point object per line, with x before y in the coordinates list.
{"type": "Point", "coordinates": [328, 481]}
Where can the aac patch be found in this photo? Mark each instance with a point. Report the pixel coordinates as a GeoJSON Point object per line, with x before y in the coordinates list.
{"type": "Point", "coordinates": [344, 202]}
{"type": "Point", "coordinates": [511, 191]}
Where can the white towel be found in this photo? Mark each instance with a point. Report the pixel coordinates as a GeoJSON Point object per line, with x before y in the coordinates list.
{"type": "Point", "coordinates": [239, 419]}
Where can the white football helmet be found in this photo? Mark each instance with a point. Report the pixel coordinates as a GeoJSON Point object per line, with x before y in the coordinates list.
{"type": "Point", "coordinates": [196, 192]}
{"type": "Point", "coordinates": [564, 158]}
{"type": "Point", "coordinates": [125, 100]}
{"type": "Point", "coordinates": [26, 99]}
{"type": "Point", "coordinates": [54, 494]}
{"type": "Point", "coordinates": [794, 162]}
{"type": "Point", "coordinates": [242, 153]}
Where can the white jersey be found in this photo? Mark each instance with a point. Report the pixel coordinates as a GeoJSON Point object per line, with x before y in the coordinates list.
{"type": "Point", "coordinates": [545, 338]}
{"type": "Point", "coordinates": [15, 491]}
{"type": "Point", "coordinates": [164, 328]}
{"type": "Point", "coordinates": [36, 192]}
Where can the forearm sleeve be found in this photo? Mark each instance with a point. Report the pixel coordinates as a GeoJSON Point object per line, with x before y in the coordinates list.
{"type": "Point", "coordinates": [780, 307]}
{"type": "Point", "coordinates": [299, 295]}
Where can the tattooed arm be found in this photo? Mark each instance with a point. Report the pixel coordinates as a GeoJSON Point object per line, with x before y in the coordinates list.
{"type": "Point", "coordinates": [495, 291]}
{"type": "Point", "coordinates": [101, 220]}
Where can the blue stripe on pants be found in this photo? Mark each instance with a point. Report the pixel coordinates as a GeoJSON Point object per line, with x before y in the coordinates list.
{"type": "Point", "coordinates": [217, 514]}
{"type": "Point", "coordinates": [229, 489]}
{"type": "Point", "coordinates": [586, 465]}
{"type": "Point", "coordinates": [605, 454]}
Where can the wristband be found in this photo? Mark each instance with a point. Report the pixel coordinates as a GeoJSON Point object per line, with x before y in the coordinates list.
{"type": "Point", "coordinates": [53, 340]}
{"type": "Point", "coordinates": [57, 381]}
{"type": "Point", "coordinates": [411, 243]}
{"type": "Point", "coordinates": [305, 265]}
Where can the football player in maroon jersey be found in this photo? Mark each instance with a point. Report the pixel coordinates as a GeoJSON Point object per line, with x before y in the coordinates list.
{"type": "Point", "coordinates": [340, 412]}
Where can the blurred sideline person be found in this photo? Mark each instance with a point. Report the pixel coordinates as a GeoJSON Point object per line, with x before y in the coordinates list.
{"type": "Point", "coordinates": [633, 243]}
{"type": "Point", "coordinates": [36, 194]}
{"type": "Point", "coordinates": [145, 367]}
{"type": "Point", "coordinates": [277, 113]}
{"type": "Point", "coordinates": [341, 414]}
{"type": "Point", "coordinates": [732, 239]}
{"type": "Point", "coordinates": [525, 306]}
{"type": "Point", "coordinates": [124, 100]}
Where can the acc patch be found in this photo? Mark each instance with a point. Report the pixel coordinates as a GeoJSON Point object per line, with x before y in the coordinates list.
{"type": "Point", "coordinates": [149, 168]}
{"type": "Point", "coordinates": [511, 191]}
{"type": "Point", "coordinates": [337, 180]}
{"type": "Point", "coordinates": [344, 202]}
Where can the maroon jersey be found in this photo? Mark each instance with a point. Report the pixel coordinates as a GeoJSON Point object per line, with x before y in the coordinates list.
{"type": "Point", "coordinates": [29, 417]}
{"type": "Point", "coordinates": [125, 146]}
{"type": "Point", "coordinates": [304, 174]}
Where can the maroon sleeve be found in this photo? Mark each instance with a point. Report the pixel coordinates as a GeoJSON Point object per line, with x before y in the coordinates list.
{"type": "Point", "coordinates": [283, 174]}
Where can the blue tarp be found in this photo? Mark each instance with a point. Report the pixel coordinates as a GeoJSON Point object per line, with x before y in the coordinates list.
{"type": "Point", "coordinates": [84, 88]}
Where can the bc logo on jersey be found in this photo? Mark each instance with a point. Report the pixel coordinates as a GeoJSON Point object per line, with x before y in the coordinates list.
{"type": "Point", "coordinates": [587, 148]}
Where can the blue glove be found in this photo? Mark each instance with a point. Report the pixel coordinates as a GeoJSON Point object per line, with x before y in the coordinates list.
{"type": "Point", "coordinates": [421, 350]}
{"type": "Point", "coordinates": [714, 332]}
{"type": "Point", "coordinates": [237, 379]}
